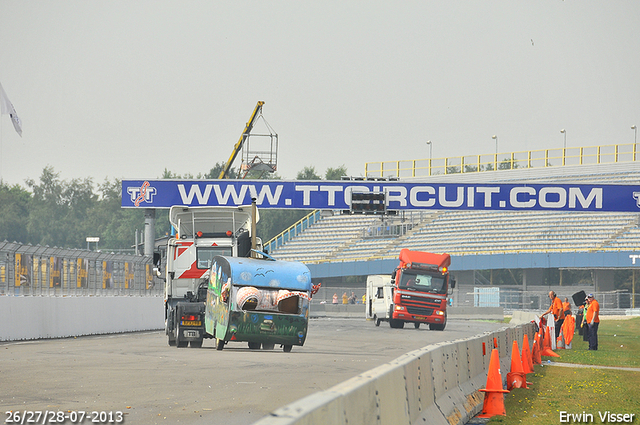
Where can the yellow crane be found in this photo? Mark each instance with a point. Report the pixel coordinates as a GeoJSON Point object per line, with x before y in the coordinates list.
{"type": "Point", "coordinates": [238, 146]}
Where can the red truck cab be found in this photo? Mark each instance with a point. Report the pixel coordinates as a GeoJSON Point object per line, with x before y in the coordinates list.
{"type": "Point", "coordinates": [421, 285]}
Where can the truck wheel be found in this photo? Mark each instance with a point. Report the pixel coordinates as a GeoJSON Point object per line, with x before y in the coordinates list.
{"type": "Point", "coordinates": [172, 341]}
{"type": "Point", "coordinates": [254, 345]}
{"type": "Point", "coordinates": [416, 325]}
{"type": "Point", "coordinates": [375, 318]}
{"type": "Point", "coordinates": [287, 348]}
{"type": "Point", "coordinates": [396, 324]}
{"type": "Point", "coordinates": [219, 344]}
{"type": "Point", "coordinates": [196, 344]}
{"type": "Point", "coordinates": [268, 345]}
{"type": "Point", "coordinates": [437, 326]}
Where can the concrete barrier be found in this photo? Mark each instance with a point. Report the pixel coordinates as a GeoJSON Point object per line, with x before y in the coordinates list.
{"type": "Point", "coordinates": [437, 384]}
{"type": "Point", "coordinates": [30, 317]}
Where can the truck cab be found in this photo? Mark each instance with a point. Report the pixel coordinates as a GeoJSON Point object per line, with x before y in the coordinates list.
{"type": "Point", "coordinates": [201, 234]}
{"type": "Point", "coordinates": [379, 298]}
{"type": "Point", "coordinates": [421, 285]}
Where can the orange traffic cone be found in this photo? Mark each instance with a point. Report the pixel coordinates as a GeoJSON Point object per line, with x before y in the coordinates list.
{"type": "Point", "coordinates": [535, 354]}
{"type": "Point", "coordinates": [540, 339]}
{"type": "Point", "coordinates": [546, 349]}
{"type": "Point", "coordinates": [493, 398]}
{"type": "Point", "coordinates": [527, 359]}
{"type": "Point", "coordinates": [516, 378]}
{"type": "Point", "coordinates": [560, 340]}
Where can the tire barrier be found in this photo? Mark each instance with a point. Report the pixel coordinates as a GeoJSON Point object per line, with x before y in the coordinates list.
{"type": "Point", "coordinates": [439, 384]}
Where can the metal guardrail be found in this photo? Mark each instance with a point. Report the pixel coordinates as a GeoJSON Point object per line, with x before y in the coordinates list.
{"type": "Point", "coordinates": [41, 270]}
{"type": "Point", "coordinates": [605, 154]}
{"type": "Point", "coordinates": [511, 299]}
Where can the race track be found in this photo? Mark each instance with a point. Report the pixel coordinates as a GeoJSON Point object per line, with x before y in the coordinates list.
{"type": "Point", "coordinates": [152, 383]}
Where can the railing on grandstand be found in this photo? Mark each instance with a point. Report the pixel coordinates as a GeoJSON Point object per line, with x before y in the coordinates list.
{"type": "Point", "coordinates": [386, 230]}
{"type": "Point", "coordinates": [27, 270]}
{"type": "Point", "coordinates": [605, 154]}
{"type": "Point", "coordinates": [291, 232]}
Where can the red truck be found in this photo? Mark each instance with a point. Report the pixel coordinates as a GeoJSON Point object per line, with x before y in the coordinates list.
{"type": "Point", "coordinates": [421, 284]}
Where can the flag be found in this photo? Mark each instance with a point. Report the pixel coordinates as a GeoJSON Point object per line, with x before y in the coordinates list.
{"type": "Point", "coordinates": [6, 108]}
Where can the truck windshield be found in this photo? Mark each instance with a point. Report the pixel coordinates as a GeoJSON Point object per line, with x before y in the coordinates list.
{"type": "Point", "coordinates": [423, 282]}
{"type": "Point", "coordinates": [205, 255]}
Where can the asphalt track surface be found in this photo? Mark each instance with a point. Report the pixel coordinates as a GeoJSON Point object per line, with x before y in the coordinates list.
{"type": "Point", "coordinates": [152, 383]}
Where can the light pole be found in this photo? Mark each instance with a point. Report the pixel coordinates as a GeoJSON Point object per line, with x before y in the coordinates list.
{"type": "Point", "coordinates": [635, 139]}
{"type": "Point", "coordinates": [564, 146]}
{"type": "Point", "coordinates": [495, 162]}
{"type": "Point", "coordinates": [430, 151]}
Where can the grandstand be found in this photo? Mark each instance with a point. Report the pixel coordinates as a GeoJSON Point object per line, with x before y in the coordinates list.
{"type": "Point", "coordinates": [363, 240]}
{"type": "Point", "coordinates": [336, 237]}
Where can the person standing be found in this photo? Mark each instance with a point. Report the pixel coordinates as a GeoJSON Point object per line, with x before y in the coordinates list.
{"type": "Point", "coordinates": [566, 305]}
{"type": "Point", "coordinates": [593, 321]}
{"type": "Point", "coordinates": [557, 310]}
{"type": "Point", "coordinates": [585, 324]}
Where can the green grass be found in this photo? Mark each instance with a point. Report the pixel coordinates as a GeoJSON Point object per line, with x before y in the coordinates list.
{"type": "Point", "coordinates": [558, 389]}
{"type": "Point", "coordinates": [618, 345]}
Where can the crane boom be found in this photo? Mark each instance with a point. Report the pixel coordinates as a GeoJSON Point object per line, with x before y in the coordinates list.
{"type": "Point", "coordinates": [238, 146]}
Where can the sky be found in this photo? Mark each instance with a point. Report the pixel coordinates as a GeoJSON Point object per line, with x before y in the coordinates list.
{"type": "Point", "coordinates": [128, 88]}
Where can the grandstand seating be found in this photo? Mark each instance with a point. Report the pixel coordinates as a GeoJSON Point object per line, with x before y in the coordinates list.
{"type": "Point", "coordinates": [349, 238]}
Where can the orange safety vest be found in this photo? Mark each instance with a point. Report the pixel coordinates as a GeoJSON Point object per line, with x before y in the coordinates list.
{"type": "Point", "coordinates": [594, 307]}
{"type": "Point", "coordinates": [557, 310]}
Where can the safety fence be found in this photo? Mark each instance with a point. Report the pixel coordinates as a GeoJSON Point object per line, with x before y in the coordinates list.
{"type": "Point", "coordinates": [44, 271]}
{"type": "Point", "coordinates": [518, 299]}
{"type": "Point", "coordinates": [605, 154]}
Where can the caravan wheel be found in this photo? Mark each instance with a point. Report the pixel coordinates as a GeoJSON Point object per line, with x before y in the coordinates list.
{"type": "Point", "coordinates": [377, 320]}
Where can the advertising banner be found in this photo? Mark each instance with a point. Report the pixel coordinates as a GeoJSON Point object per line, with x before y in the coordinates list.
{"type": "Point", "coordinates": [107, 274]}
{"type": "Point", "coordinates": [336, 195]}
{"type": "Point", "coordinates": [23, 270]}
{"type": "Point", "coordinates": [55, 272]}
{"type": "Point", "coordinates": [128, 275]}
{"type": "Point", "coordinates": [149, 276]}
{"type": "Point", "coordinates": [83, 273]}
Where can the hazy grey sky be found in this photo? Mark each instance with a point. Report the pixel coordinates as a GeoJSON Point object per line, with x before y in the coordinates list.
{"type": "Point", "coordinates": [127, 88]}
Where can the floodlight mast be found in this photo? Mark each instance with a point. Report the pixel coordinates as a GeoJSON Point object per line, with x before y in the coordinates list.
{"type": "Point", "coordinates": [238, 146]}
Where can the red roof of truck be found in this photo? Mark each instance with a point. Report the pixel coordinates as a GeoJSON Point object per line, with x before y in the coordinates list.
{"type": "Point", "coordinates": [438, 260]}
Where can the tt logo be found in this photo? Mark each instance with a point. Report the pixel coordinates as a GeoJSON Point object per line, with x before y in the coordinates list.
{"type": "Point", "coordinates": [636, 196]}
{"type": "Point", "coordinates": [140, 194]}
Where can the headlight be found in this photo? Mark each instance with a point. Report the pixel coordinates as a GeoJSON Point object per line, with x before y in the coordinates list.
{"type": "Point", "coordinates": [439, 313]}
{"type": "Point", "coordinates": [400, 307]}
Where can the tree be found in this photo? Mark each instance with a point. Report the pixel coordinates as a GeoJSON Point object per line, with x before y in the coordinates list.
{"type": "Point", "coordinates": [58, 209]}
{"type": "Point", "coordinates": [308, 173]}
{"type": "Point", "coordinates": [335, 173]}
{"type": "Point", "coordinates": [14, 213]}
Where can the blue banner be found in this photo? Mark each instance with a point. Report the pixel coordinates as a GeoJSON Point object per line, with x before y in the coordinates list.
{"type": "Point", "coordinates": [336, 195]}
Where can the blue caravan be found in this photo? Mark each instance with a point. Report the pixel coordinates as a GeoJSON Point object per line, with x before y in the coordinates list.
{"type": "Point", "coordinates": [262, 302]}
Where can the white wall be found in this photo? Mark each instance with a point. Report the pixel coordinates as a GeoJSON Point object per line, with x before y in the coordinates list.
{"type": "Point", "coordinates": [55, 317]}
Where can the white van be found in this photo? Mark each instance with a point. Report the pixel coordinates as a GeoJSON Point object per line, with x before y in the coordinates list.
{"type": "Point", "coordinates": [379, 298]}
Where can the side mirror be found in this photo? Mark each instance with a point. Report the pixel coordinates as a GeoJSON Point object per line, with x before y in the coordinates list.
{"type": "Point", "coordinates": [453, 283]}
